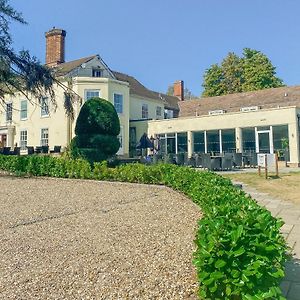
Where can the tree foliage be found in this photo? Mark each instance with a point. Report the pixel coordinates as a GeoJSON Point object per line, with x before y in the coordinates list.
{"type": "Point", "coordinates": [97, 128]}
{"type": "Point", "coordinates": [253, 71]}
{"type": "Point", "coordinates": [21, 72]}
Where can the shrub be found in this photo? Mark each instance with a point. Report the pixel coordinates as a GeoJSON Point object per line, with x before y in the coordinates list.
{"type": "Point", "coordinates": [240, 251]}
{"type": "Point", "coordinates": [97, 128]}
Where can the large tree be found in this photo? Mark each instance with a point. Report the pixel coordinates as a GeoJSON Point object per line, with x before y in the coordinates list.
{"type": "Point", "coordinates": [253, 71]}
{"type": "Point", "coordinates": [20, 72]}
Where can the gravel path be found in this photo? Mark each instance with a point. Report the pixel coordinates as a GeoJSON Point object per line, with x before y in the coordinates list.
{"type": "Point", "coordinates": [78, 239]}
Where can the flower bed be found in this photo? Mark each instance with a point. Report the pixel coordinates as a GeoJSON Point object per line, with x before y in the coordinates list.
{"type": "Point", "coordinates": [240, 251]}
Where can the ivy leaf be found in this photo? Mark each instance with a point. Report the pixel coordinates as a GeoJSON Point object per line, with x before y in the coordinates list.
{"type": "Point", "coordinates": [239, 251]}
{"type": "Point", "coordinates": [220, 263]}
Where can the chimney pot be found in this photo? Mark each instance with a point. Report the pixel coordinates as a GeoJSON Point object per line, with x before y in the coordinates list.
{"type": "Point", "coordinates": [55, 47]}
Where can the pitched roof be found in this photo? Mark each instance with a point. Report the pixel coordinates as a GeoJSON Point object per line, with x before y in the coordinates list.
{"type": "Point", "coordinates": [268, 98]}
{"type": "Point", "coordinates": [136, 88]}
{"type": "Point", "coordinates": [67, 67]}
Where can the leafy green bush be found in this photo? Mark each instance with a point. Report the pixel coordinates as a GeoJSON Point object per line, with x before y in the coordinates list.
{"type": "Point", "coordinates": [97, 128]}
{"type": "Point", "coordinates": [240, 251]}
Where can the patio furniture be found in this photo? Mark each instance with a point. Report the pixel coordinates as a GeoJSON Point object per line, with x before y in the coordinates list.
{"type": "Point", "coordinates": [192, 162]}
{"type": "Point", "coordinates": [30, 150]}
{"type": "Point", "coordinates": [198, 160]}
{"type": "Point", "coordinates": [206, 161]}
{"type": "Point", "coordinates": [38, 149]}
{"type": "Point", "coordinates": [169, 158]}
{"type": "Point", "coordinates": [216, 163]}
{"type": "Point", "coordinates": [45, 149]}
{"type": "Point", "coordinates": [237, 160]}
{"type": "Point", "coordinates": [6, 151]}
{"type": "Point", "coordinates": [157, 158]}
{"type": "Point", "coordinates": [253, 160]}
{"type": "Point", "coordinates": [227, 161]}
{"type": "Point", "coordinates": [56, 149]}
{"type": "Point", "coordinates": [16, 151]}
{"type": "Point", "coordinates": [180, 159]}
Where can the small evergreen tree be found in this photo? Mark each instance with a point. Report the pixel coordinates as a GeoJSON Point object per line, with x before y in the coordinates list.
{"type": "Point", "coordinates": [97, 129]}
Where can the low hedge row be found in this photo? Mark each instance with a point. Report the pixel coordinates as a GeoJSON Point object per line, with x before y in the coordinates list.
{"type": "Point", "coordinates": [240, 251]}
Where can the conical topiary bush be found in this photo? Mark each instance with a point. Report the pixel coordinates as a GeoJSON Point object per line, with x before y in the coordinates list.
{"type": "Point", "coordinates": [97, 129]}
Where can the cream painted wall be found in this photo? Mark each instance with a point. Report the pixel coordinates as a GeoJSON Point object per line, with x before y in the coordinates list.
{"type": "Point", "coordinates": [56, 122]}
{"type": "Point", "coordinates": [136, 103]}
{"type": "Point", "coordinates": [234, 120]}
{"type": "Point", "coordinates": [141, 128]}
{"type": "Point", "coordinates": [108, 87]}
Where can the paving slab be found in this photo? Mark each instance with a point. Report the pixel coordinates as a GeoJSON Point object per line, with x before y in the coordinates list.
{"type": "Point", "coordinates": [290, 214]}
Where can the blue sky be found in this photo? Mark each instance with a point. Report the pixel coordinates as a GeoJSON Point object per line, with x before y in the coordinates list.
{"type": "Point", "coordinates": [160, 41]}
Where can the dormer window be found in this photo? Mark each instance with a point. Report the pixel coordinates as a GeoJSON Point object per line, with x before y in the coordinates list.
{"type": "Point", "coordinates": [96, 72]}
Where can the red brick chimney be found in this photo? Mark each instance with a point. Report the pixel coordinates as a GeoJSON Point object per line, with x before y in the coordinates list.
{"type": "Point", "coordinates": [179, 89]}
{"type": "Point", "coordinates": [55, 47]}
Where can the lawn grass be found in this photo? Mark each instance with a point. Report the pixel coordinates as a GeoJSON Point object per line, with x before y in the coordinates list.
{"type": "Point", "coordinates": [286, 187]}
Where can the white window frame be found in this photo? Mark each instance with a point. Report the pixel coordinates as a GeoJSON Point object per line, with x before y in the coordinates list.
{"type": "Point", "coordinates": [9, 111]}
{"type": "Point", "coordinates": [23, 110]}
{"type": "Point", "coordinates": [23, 141]}
{"type": "Point", "coordinates": [158, 111]}
{"type": "Point", "coordinates": [44, 137]}
{"type": "Point", "coordinates": [45, 107]}
{"type": "Point", "coordinates": [119, 106]}
{"type": "Point", "coordinates": [145, 111]}
{"type": "Point", "coordinates": [121, 140]}
{"type": "Point", "coordinates": [97, 72]}
{"type": "Point", "coordinates": [91, 91]}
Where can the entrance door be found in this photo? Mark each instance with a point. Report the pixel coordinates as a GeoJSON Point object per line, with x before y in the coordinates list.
{"type": "Point", "coordinates": [264, 141]}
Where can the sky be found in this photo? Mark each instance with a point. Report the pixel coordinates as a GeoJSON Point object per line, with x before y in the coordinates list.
{"type": "Point", "coordinates": [161, 41]}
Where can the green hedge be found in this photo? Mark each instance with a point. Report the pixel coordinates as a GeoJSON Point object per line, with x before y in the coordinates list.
{"type": "Point", "coordinates": [240, 251]}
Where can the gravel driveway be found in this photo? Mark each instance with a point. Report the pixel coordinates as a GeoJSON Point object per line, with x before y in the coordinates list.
{"type": "Point", "coordinates": [79, 239]}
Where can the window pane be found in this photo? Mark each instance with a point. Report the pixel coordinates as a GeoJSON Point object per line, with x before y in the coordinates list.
{"type": "Point", "coordinates": [158, 111]}
{"type": "Point", "coordinates": [91, 94]}
{"type": "Point", "coordinates": [23, 112]}
{"type": "Point", "coordinates": [44, 106]}
{"type": "Point", "coordinates": [182, 142]}
{"type": "Point", "coordinates": [96, 73]}
{"type": "Point", "coordinates": [145, 111]}
{"type": "Point", "coordinates": [280, 134]}
{"type": "Point", "coordinates": [171, 143]}
{"type": "Point", "coordinates": [118, 103]}
{"type": "Point", "coordinates": [213, 141]}
{"type": "Point", "coordinates": [248, 137]}
{"type": "Point", "coordinates": [161, 140]}
{"type": "Point", "coordinates": [9, 112]}
{"type": "Point", "coordinates": [228, 140]}
{"type": "Point", "coordinates": [23, 139]}
{"type": "Point", "coordinates": [44, 137]}
{"type": "Point", "coordinates": [281, 141]}
{"type": "Point", "coordinates": [263, 128]}
{"type": "Point", "coordinates": [199, 144]}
